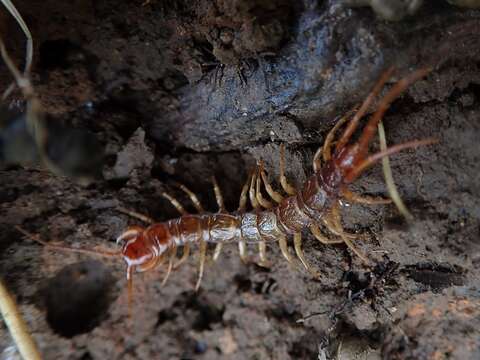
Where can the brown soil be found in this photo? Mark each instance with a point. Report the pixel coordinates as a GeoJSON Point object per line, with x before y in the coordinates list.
{"type": "Point", "coordinates": [181, 90]}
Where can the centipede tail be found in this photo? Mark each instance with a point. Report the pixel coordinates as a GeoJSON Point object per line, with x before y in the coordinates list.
{"type": "Point", "coordinates": [276, 217]}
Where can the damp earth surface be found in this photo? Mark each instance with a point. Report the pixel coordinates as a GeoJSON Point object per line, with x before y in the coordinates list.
{"type": "Point", "coordinates": [179, 91]}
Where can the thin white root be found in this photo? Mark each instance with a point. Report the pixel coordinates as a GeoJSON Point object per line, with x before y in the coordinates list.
{"type": "Point", "coordinates": [17, 326]}
{"type": "Point", "coordinates": [29, 54]}
{"type": "Point", "coordinates": [387, 173]}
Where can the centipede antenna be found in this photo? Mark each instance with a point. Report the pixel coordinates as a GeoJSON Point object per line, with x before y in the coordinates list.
{"type": "Point", "coordinates": [372, 159]}
{"type": "Point", "coordinates": [36, 238]}
{"type": "Point", "coordinates": [397, 89]}
{"type": "Point", "coordinates": [347, 134]}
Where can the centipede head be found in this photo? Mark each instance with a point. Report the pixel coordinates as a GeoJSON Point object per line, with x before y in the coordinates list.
{"type": "Point", "coordinates": [142, 249]}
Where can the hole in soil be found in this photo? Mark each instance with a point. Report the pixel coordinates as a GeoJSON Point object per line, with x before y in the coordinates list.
{"type": "Point", "coordinates": [60, 53]}
{"type": "Point", "coordinates": [78, 298]}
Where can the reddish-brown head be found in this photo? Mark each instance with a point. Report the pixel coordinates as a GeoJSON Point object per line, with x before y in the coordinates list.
{"type": "Point", "coordinates": [142, 249]}
{"type": "Point", "coordinates": [346, 159]}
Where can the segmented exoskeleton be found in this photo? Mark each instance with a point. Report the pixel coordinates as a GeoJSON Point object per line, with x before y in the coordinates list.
{"type": "Point", "coordinates": [275, 220]}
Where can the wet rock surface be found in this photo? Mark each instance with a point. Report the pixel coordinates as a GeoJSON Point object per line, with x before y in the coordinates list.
{"type": "Point", "coordinates": [183, 90]}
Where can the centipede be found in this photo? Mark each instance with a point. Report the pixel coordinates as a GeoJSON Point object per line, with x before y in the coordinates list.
{"type": "Point", "coordinates": [276, 218]}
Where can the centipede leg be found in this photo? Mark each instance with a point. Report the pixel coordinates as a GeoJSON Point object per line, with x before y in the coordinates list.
{"type": "Point", "coordinates": [260, 199]}
{"type": "Point", "coordinates": [282, 242]}
{"type": "Point", "coordinates": [257, 201]}
{"type": "Point", "coordinates": [297, 242]}
{"type": "Point", "coordinates": [173, 255]}
{"type": "Point", "coordinates": [242, 204]}
{"type": "Point", "coordinates": [186, 253]}
{"type": "Point", "coordinates": [338, 227]}
{"type": "Point", "coordinates": [317, 159]}
{"type": "Point", "coordinates": [218, 195]}
{"type": "Point", "coordinates": [192, 196]}
{"type": "Point", "coordinates": [315, 230]}
{"type": "Point", "coordinates": [251, 191]}
{"type": "Point", "coordinates": [364, 199]}
{"type": "Point", "coordinates": [176, 204]}
{"type": "Point", "coordinates": [331, 225]}
{"type": "Point", "coordinates": [327, 145]}
{"type": "Point", "coordinates": [217, 251]}
{"type": "Point", "coordinates": [201, 265]}
{"type": "Point", "coordinates": [135, 214]}
{"type": "Point", "coordinates": [242, 250]}
{"type": "Point", "coordinates": [130, 291]}
{"type": "Point", "coordinates": [289, 189]}
{"type": "Point", "coordinates": [262, 252]}
{"type": "Point", "coordinates": [242, 246]}
{"type": "Point", "coordinates": [276, 196]}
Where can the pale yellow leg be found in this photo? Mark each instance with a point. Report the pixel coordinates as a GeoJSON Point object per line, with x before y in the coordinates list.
{"type": "Point", "coordinates": [364, 199]}
{"type": "Point", "coordinates": [322, 238]}
{"type": "Point", "coordinates": [136, 215]}
{"type": "Point", "coordinates": [173, 255]}
{"type": "Point", "coordinates": [330, 223]}
{"type": "Point", "coordinates": [201, 265]}
{"type": "Point", "coordinates": [218, 195]}
{"type": "Point", "coordinates": [282, 241]}
{"type": "Point", "coordinates": [262, 250]}
{"type": "Point", "coordinates": [257, 201]}
{"type": "Point", "coordinates": [297, 242]}
{"type": "Point", "coordinates": [327, 145]}
{"type": "Point", "coordinates": [243, 196]}
{"type": "Point", "coordinates": [342, 234]}
{"type": "Point", "coordinates": [276, 196]}
{"type": "Point", "coordinates": [317, 160]}
{"type": "Point", "coordinates": [242, 246]}
{"type": "Point", "coordinates": [260, 199]}
{"type": "Point", "coordinates": [175, 203]}
{"type": "Point", "coordinates": [251, 191]}
{"type": "Point", "coordinates": [289, 189]}
{"type": "Point", "coordinates": [221, 209]}
{"type": "Point", "coordinates": [242, 249]}
{"type": "Point", "coordinates": [186, 253]}
{"type": "Point", "coordinates": [217, 251]}
{"type": "Point", "coordinates": [192, 196]}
